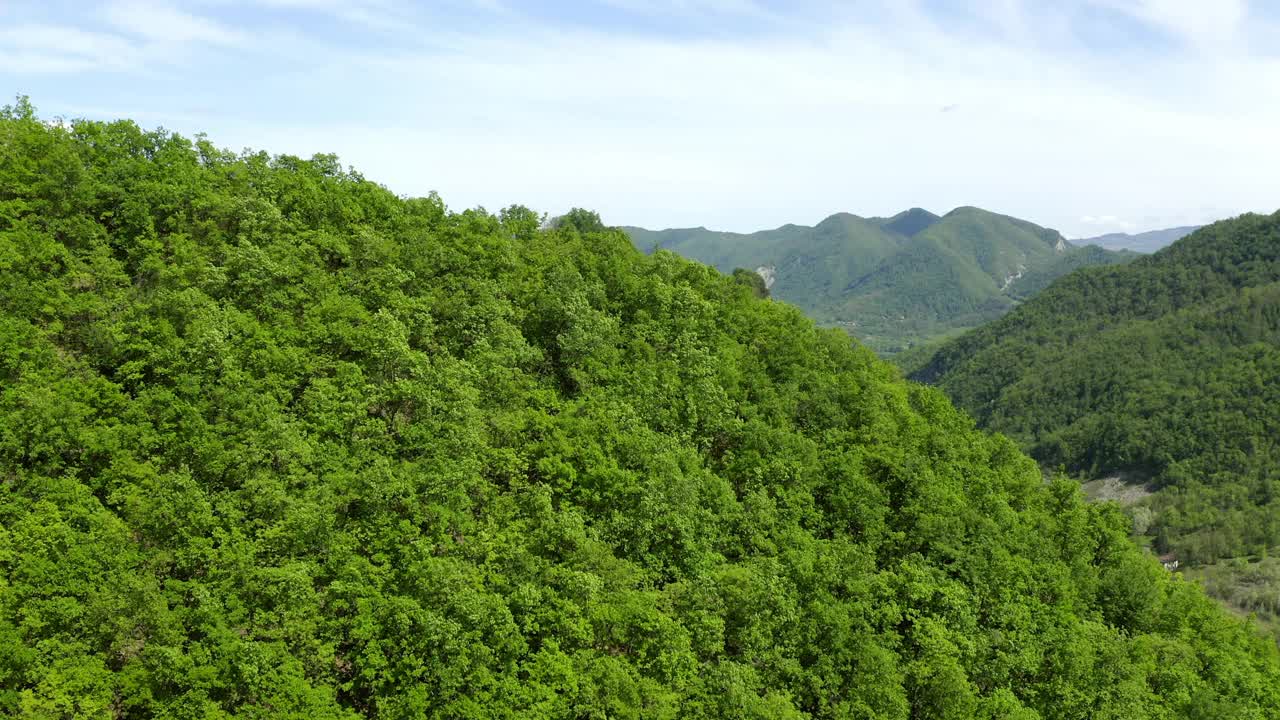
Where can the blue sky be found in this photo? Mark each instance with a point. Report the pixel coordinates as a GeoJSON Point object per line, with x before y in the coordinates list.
{"type": "Point", "coordinates": [1090, 116]}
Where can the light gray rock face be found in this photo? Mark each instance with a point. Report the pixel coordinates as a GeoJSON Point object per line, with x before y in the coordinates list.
{"type": "Point", "coordinates": [769, 273]}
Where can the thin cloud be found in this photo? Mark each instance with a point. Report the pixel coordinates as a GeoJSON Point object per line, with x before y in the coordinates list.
{"type": "Point", "coordinates": [755, 114]}
{"type": "Point", "coordinates": [693, 8]}
{"type": "Point", "coordinates": [45, 48]}
{"type": "Point", "coordinates": [378, 15]}
{"type": "Point", "coordinates": [134, 36]}
{"type": "Point", "coordinates": [164, 24]}
{"type": "Point", "coordinates": [1204, 24]}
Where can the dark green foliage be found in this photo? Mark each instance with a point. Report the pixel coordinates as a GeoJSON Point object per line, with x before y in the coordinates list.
{"type": "Point", "coordinates": [582, 221]}
{"type": "Point", "coordinates": [1166, 370]}
{"type": "Point", "coordinates": [752, 280]}
{"type": "Point", "coordinates": [277, 443]}
{"type": "Point", "coordinates": [897, 282]}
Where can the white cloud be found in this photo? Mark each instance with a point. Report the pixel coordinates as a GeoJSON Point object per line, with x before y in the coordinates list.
{"type": "Point", "coordinates": [751, 134]}
{"type": "Point", "coordinates": [755, 130]}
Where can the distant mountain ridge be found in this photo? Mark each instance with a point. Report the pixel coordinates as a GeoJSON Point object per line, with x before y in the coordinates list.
{"type": "Point", "coordinates": [893, 282]}
{"type": "Point", "coordinates": [1145, 242]}
{"type": "Point", "coordinates": [910, 222]}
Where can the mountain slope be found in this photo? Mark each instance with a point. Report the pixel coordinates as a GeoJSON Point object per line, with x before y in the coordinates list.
{"type": "Point", "coordinates": [722, 250]}
{"type": "Point", "coordinates": [954, 272]}
{"type": "Point", "coordinates": [810, 262]}
{"type": "Point", "coordinates": [1000, 245]}
{"type": "Point", "coordinates": [816, 265]}
{"type": "Point", "coordinates": [1034, 281]}
{"type": "Point", "coordinates": [275, 442]}
{"type": "Point", "coordinates": [1166, 370]}
{"type": "Point", "coordinates": [892, 282]}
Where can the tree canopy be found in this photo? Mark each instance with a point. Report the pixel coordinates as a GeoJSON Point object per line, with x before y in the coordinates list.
{"type": "Point", "coordinates": [1165, 371]}
{"type": "Point", "coordinates": [275, 442]}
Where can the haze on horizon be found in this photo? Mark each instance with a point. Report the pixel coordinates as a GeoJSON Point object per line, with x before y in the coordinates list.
{"type": "Point", "coordinates": [1089, 116]}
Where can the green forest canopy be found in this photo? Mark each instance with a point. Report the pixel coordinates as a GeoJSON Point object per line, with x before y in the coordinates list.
{"type": "Point", "coordinates": [1166, 370]}
{"type": "Point", "coordinates": [275, 442]}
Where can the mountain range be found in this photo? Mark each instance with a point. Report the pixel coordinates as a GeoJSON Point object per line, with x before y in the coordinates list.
{"type": "Point", "coordinates": [1145, 242]}
{"type": "Point", "coordinates": [894, 282]}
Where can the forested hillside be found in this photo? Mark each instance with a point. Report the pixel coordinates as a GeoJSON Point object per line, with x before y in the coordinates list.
{"type": "Point", "coordinates": [1165, 371]}
{"type": "Point", "coordinates": [897, 282]}
{"type": "Point", "coordinates": [275, 442]}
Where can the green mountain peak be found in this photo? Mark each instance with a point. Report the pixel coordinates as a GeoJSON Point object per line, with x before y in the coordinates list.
{"type": "Point", "coordinates": [910, 222]}
{"type": "Point", "coordinates": [899, 281]}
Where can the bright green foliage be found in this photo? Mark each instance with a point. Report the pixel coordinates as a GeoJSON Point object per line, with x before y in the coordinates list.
{"type": "Point", "coordinates": [1166, 370]}
{"type": "Point", "coordinates": [277, 443]}
{"type": "Point", "coordinates": [895, 282]}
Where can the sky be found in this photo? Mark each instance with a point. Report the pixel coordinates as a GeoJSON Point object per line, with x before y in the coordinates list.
{"type": "Point", "coordinates": [1088, 116]}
